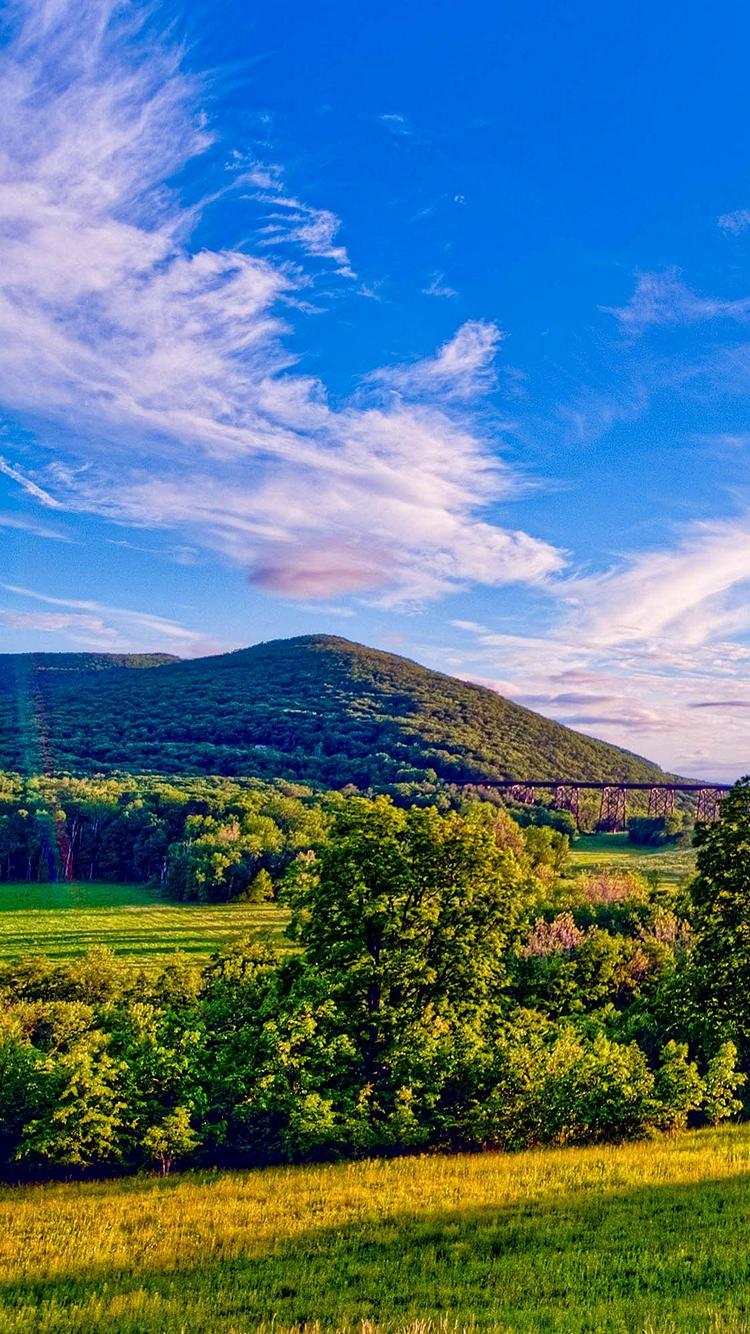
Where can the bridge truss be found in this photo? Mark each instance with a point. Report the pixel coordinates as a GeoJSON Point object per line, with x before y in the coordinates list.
{"type": "Point", "coordinates": [613, 798]}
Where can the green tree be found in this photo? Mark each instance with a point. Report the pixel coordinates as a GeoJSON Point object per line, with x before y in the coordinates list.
{"type": "Point", "coordinates": [679, 1087]}
{"type": "Point", "coordinates": [406, 919]}
{"type": "Point", "coordinates": [720, 1085]}
{"type": "Point", "coordinates": [171, 1139]}
{"type": "Point", "coordinates": [85, 1118]}
{"type": "Point", "coordinates": [720, 894]}
{"type": "Point", "coordinates": [260, 889]}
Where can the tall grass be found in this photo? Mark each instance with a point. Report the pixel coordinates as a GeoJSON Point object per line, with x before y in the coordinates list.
{"type": "Point", "coordinates": [645, 1237]}
{"type": "Point", "coordinates": [64, 919]}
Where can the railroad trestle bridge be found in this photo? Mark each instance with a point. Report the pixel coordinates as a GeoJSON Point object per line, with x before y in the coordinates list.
{"type": "Point", "coordinates": [613, 799]}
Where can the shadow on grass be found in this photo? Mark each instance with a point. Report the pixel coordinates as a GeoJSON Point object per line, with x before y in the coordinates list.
{"type": "Point", "coordinates": [661, 1258]}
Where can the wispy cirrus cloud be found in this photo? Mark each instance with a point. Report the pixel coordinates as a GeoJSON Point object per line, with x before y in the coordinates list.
{"type": "Point", "coordinates": [29, 485]}
{"type": "Point", "coordinates": [90, 623]}
{"type": "Point", "coordinates": [171, 359]}
{"type": "Point", "coordinates": [290, 221]}
{"type": "Point", "coordinates": [83, 631]}
{"type": "Point", "coordinates": [438, 287]}
{"type": "Point", "coordinates": [646, 699]}
{"type": "Point", "coordinates": [396, 123]}
{"type": "Point", "coordinates": [663, 299]}
{"type": "Point", "coordinates": [693, 592]}
{"type": "Point", "coordinates": [463, 367]}
{"type": "Point", "coordinates": [21, 524]}
{"type": "Point", "coordinates": [643, 655]}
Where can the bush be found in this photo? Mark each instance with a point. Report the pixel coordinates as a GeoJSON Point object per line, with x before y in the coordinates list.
{"type": "Point", "coordinates": [653, 831]}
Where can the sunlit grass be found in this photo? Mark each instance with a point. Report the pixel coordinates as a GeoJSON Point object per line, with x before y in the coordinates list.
{"type": "Point", "coordinates": [65, 919]}
{"type": "Point", "coordinates": [598, 851]}
{"type": "Point", "coordinates": [645, 1237]}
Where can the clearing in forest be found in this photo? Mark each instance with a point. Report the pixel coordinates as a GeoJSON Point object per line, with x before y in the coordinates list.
{"type": "Point", "coordinates": [64, 919]}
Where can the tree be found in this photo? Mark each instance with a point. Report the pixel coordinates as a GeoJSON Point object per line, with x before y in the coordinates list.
{"type": "Point", "coordinates": [406, 918]}
{"type": "Point", "coordinates": [21, 1088]}
{"type": "Point", "coordinates": [260, 889]}
{"type": "Point", "coordinates": [85, 1118]}
{"type": "Point", "coordinates": [679, 1087]}
{"type": "Point", "coordinates": [720, 1085]}
{"type": "Point", "coordinates": [655, 830]}
{"type": "Point", "coordinates": [720, 894]}
{"type": "Point", "coordinates": [171, 1139]}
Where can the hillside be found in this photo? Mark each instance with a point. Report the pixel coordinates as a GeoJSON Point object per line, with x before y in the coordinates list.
{"type": "Point", "coordinates": [315, 708]}
{"type": "Point", "coordinates": [649, 1236]}
{"type": "Point", "coordinates": [15, 668]}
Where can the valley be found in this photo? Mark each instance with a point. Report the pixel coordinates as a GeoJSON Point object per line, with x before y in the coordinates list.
{"type": "Point", "coordinates": [63, 919]}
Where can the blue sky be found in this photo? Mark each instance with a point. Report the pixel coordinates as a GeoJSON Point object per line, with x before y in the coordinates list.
{"type": "Point", "coordinates": [424, 325]}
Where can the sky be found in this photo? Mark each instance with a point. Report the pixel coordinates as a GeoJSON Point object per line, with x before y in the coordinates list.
{"type": "Point", "coordinates": [424, 325]}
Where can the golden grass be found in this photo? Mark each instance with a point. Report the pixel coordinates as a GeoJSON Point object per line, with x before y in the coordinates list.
{"type": "Point", "coordinates": [651, 1237]}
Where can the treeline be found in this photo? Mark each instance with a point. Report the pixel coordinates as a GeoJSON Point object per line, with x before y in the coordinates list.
{"type": "Point", "coordinates": [448, 988]}
{"type": "Point", "coordinates": [199, 839]}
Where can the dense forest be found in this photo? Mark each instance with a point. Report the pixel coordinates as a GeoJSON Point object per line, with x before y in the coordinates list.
{"type": "Point", "coordinates": [447, 985]}
{"type": "Point", "coordinates": [198, 839]}
{"type": "Point", "coordinates": [316, 709]}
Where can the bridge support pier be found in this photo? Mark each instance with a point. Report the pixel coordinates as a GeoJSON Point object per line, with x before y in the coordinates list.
{"type": "Point", "coordinates": [523, 793]}
{"type": "Point", "coordinates": [707, 806]}
{"type": "Point", "coordinates": [662, 797]}
{"type": "Point", "coordinates": [613, 809]}
{"type": "Point", "coordinates": [567, 798]}
{"type": "Point", "coordinates": [660, 801]}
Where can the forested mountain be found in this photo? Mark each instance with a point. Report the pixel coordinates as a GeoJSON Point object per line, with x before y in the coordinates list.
{"type": "Point", "coordinates": [316, 708]}
{"type": "Point", "coordinates": [20, 670]}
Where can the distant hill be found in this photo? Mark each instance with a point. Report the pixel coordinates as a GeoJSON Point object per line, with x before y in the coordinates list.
{"type": "Point", "coordinates": [316, 708]}
{"type": "Point", "coordinates": [15, 667]}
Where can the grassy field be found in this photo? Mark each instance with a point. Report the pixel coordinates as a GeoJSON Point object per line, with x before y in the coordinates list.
{"type": "Point", "coordinates": [595, 851]}
{"type": "Point", "coordinates": [650, 1237]}
{"type": "Point", "coordinates": [65, 919]}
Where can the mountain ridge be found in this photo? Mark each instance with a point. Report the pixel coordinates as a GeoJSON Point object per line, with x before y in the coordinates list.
{"type": "Point", "coordinates": [315, 708]}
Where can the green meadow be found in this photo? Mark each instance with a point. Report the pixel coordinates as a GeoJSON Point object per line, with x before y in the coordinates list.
{"type": "Point", "coordinates": [649, 1237]}
{"type": "Point", "coordinates": [65, 919]}
{"type": "Point", "coordinates": [594, 852]}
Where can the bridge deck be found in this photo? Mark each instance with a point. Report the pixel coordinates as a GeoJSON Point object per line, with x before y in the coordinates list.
{"type": "Point", "coordinates": [597, 787]}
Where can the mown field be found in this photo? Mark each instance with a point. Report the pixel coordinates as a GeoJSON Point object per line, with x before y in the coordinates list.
{"type": "Point", "coordinates": [67, 918]}
{"type": "Point", "coordinates": [595, 851]}
{"type": "Point", "coordinates": [646, 1237]}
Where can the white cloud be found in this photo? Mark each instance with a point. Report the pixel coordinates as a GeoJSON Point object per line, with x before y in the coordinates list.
{"type": "Point", "coordinates": [690, 594]}
{"type": "Point", "coordinates": [462, 368]}
{"type": "Point", "coordinates": [112, 628]}
{"type": "Point", "coordinates": [629, 699]}
{"type": "Point", "coordinates": [27, 484]}
{"type": "Point", "coordinates": [188, 411]}
{"type": "Point", "coordinates": [291, 221]}
{"type": "Point", "coordinates": [654, 656]}
{"type": "Point", "coordinates": [437, 286]}
{"type": "Point", "coordinates": [80, 630]}
{"type": "Point", "coordinates": [473, 627]}
{"type": "Point", "coordinates": [662, 299]}
{"type": "Point", "coordinates": [395, 123]}
{"type": "Point", "coordinates": [24, 525]}
{"type": "Point", "coordinates": [736, 222]}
